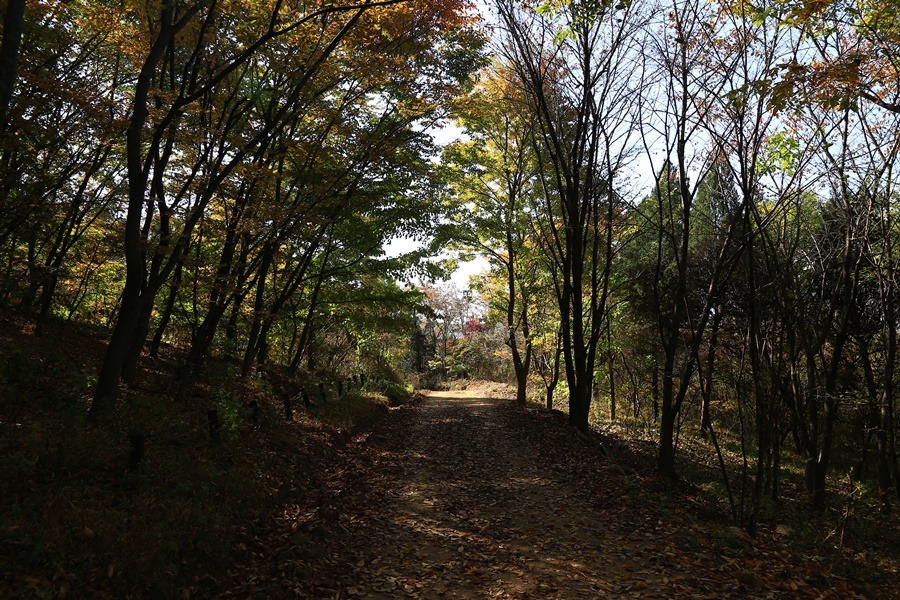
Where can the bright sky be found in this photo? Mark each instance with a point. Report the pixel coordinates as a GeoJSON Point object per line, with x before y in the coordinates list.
{"type": "Point", "coordinates": [446, 134]}
{"type": "Point", "coordinates": [472, 267]}
{"type": "Point", "coordinates": [460, 277]}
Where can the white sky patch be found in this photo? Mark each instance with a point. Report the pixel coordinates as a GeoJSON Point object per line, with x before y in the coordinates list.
{"type": "Point", "coordinates": [460, 277]}
{"type": "Point", "coordinates": [447, 134]}
{"type": "Point", "coordinates": [472, 267]}
{"type": "Point", "coordinates": [400, 245]}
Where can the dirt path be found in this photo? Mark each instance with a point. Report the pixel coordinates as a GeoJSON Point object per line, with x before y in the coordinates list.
{"type": "Point", "coordinates": [482, 516]}
{"type": "Point", "coordinates": [457, 497]}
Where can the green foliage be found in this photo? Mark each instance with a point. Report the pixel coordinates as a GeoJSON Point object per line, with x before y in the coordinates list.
{"type": "Point", "coordinates": [397, 393]}
{"type": "Point", "coordinates": [579, 13]}
{"type": "Point", "coordinates": [481, 354]}
{"type": "Point", "coordinates": [229, 408]}
{"type": "Point", "coordinates": [781, 155]}
{"type": "Point", "coordinates": [269, 191]}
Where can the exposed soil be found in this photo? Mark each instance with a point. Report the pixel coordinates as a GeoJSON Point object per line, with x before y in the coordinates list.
{"type": "Point", "coordinates": [462, 496]}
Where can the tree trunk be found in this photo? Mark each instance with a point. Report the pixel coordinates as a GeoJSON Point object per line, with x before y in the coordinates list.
{"type": "Point", "coordinates": [763, 396]}
{"type": "Point", "coordinates": [885, 435]}
{"type": "Point", "coordinates": [706, 383]}
{"type": "Point", "coordinates": [262, 345]}
{"type": "Point", "coordinates": [106, 391]}
{"type": "Point", "coordinates": [13, 22]}
{"type": "Point", "coordinates": [666, 456]}
{"type": "Point", "coordinates": [306, 334]}
{"type": "Point", "coordinates": [654, 390]}
{"type": "Point", "coordinates": [141, 331]}
{"type": "Point", "coordinates": [202, 341]}
{"type": "Point", "coordinates": [611, 360]}
{"type": "Point", "coordinates": [167, 312]}
{"type": "Point", "coordinates": [258, 308]}
{"type": "Point", "coordinates": [580, 405]}
{"type": "Point", "coordinates": [554, 373]}
{"type": "Point", "coordinates": [231, 325]}
{"type": "Point", "coordinates": [45, 302]}
{"type": "Point", "coordinates": [521, 385]}
{"type": "Point", "coordinates": [26, 303]}
{"type": "Point", "coordinates": [666, 461]}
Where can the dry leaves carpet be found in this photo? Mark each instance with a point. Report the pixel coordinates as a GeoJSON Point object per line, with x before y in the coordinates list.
{"type": "Point", "coordinates": [460, 496]}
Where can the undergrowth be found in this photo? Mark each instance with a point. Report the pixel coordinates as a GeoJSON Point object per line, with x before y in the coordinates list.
{"type": "Point", "coordinates": [81, 515]}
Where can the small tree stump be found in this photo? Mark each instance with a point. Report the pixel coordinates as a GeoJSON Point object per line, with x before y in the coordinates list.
{"type": "Point", "coordinates": [136, 454]}
{"type": "Point", "coordinates": [215, 427]}
{"type": "Point", "coordinates": [288, 406]}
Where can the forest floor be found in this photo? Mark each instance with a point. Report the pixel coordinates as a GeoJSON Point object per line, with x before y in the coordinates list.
{"type": "Point", "coordinates": [452, 495]}
{"type": "Point", "coordinates": [463, 496]}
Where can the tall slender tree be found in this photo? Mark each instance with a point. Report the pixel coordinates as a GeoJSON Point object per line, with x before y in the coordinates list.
{"type": "Point", "coordinates": [575, 64]}
{"type": "Point", "coordinates": [493, 175]}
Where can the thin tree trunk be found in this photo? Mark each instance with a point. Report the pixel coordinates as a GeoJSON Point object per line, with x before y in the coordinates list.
{"type": "Point", "coordinates": [706, 384]}
{"type": "Point", "coordinates": [306, 331]}
{"type": "Point", "coordinates": [259, 304]}
{"type": "Point", "coordinates": [167, 311]}
{"type": "Point", "coordinates": [763, 399]}
{"type": "Point", "coordinates": [550, 384]}
{"type": "Point", "coordinates": [611, 362]}
{"type": "Point", "coordinates": [13, 22]}
{"type": "Point", "coordinates": [45, 302]}
{"type": "Point", "coordinates": [199, 348]}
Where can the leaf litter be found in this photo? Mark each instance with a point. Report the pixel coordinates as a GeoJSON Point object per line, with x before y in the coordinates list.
{"type": "Point", "coordinates": [460, 496]}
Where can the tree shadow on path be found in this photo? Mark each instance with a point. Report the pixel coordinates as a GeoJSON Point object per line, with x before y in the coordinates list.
{"type": "Point", "coordinates": [461, 496]}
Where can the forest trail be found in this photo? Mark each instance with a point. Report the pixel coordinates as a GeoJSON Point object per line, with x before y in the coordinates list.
{"type": "Point", "coordinates": [460, 496]}
{"type": "Point", "coordinates": [477, 513]}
